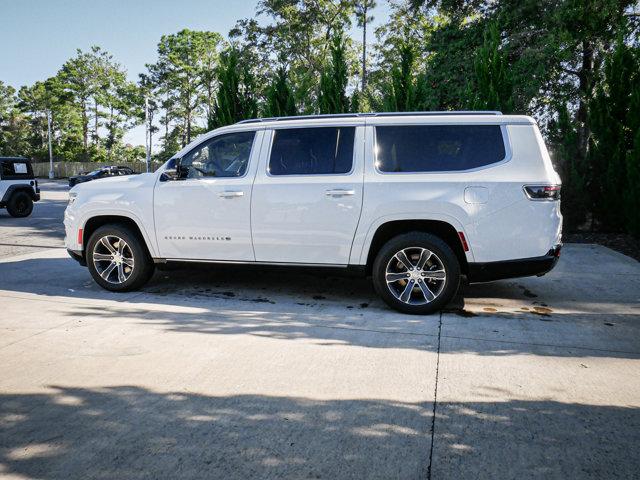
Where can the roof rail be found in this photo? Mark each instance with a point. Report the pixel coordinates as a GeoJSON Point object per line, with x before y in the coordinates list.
{"type": "Point", "coordinates": [439, 114]}
{"type": "Point", "coordinates": [302, 117]}
{"type": "Point", "coordinates": [380, 114]}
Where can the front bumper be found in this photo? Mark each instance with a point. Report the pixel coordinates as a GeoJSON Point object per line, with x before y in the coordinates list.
{"type": "Point", "coordinates": [523, 267]}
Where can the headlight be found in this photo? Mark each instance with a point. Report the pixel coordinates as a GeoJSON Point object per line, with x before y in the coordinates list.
{"type": "Point", "coordinates": [72, 197]}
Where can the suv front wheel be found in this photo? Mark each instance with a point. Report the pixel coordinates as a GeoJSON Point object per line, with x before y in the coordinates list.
{"type": "Point", "coordinates": [416, 273]}
{"type": "Point", "coordinates": [118, 259]}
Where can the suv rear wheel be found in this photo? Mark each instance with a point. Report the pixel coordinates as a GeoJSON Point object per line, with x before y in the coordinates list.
{"type": "Point", "coordinates": [118, 259]}
{"type": "Point", "coordinates": [416, 273]}
{"type": "Point", "coordinates": [20, 204]}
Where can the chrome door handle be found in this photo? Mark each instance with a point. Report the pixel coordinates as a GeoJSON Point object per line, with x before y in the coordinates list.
{"type": "Point", "coordinates": [231, 194]}
{"type": "Point", "coordinates": [339, 193]}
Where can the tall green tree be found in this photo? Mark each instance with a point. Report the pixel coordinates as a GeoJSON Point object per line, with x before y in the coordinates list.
{"type": "Point", "coordinates": [183, 72]}
{"type": "Point", "coordinates": [236, 99]}
{"type": "Point", "coordinates": [574, 171]}
{"type": "Point", "coordinates": [78, 76]}
{"type": "Point", "coordinates": [13, 125]}
{"type": "Point", "coordinates": [400, 93]}
{"type": "Point", "coordinates": [300, 33]}
{"type": "Point", "coordinates": [405, 26]}
{"type": "Point", "coordinates": [332, 93]}
{"type": "Point", "coordinates": [612, 139]}
{"type": "Point", "coordinates": [280, 100]}
{"type": "Point", "coordinates": [96, 86]}
{"type": "Point", "coordinates": [632, 194]}
{"type": "Point", "coordinates": [492, 85]}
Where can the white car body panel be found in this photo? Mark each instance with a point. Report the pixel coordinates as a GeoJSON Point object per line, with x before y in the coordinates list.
{"type": "Point", "coordinates": [307, 218]}
{"type": "Point", "coordinates": [290, 219]}
{"type": "Point", "coordinates": [5, 184]}
{"type": "Point", "coordinates": [129, 196]}
{"type": "Point", "coordinates": [207, 218]}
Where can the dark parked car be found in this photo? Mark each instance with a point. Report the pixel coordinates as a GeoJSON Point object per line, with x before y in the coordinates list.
{"type": "Point", "coordinates": [103, 172]}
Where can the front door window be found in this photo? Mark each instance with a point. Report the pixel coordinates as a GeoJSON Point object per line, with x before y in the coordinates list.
{"type": "Point", "coordinates": [222, 156]}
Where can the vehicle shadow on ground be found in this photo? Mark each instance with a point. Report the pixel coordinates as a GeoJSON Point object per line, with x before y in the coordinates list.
{"type": "Point", "coordinates": [134, 433]}
{"type": "Point", "coordinates": [285, 304]}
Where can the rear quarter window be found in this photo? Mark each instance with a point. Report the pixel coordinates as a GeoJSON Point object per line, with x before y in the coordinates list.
{"type": "Point", "coordinates": [438, 148]}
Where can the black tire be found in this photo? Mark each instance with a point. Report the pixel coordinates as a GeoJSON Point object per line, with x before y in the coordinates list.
{"type": "Point", "coordinates": [143, 265]}
{"type": "Point", "coordinates": [445, 260]}
{"type": "Point", "coordinates": [20, 204]}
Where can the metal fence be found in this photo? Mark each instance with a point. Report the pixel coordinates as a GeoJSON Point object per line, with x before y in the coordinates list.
{"type": "Point", "coordinates": [69, 169]}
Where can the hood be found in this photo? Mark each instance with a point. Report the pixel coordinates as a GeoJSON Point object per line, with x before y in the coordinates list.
{"type": "Point", "coordinates": [116, 183]}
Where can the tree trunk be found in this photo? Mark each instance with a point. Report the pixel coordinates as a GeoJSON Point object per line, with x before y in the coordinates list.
{"type": "Point", "coordinates": [188, 127]}
{"type": "Point", "coordinates": [150, 137]}
{"type": "Point", "coordinates": [95, 121]}
{"type": "Point", "coordinates": [166, 128]}
{"type": "Point", "coordinates": [364, 48]}
{"type": "Point", "coordinates": [85, 127]}
{"type": "Point", "coordinates": [111, 138]}
{"type": "Point", "coordinates": [585, 87]}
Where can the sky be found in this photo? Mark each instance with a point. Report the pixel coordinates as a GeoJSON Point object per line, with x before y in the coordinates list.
{"type": "Point", "coordinates": [38, 36]}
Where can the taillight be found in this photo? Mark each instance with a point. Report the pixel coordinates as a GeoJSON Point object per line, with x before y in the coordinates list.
{"type": "Point", "coordinates": [542, 192]}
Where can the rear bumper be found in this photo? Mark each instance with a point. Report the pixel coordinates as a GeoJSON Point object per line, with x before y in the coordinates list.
{"type": "Point", "coordinates": [524, 267]}
{"type": "Point", "coordinates": [77, 256]}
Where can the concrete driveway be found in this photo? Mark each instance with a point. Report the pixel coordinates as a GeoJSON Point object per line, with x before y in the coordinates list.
{"type": "Point", "coordinates": [254, 373]}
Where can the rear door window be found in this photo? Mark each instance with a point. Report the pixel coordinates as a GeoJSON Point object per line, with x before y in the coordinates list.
{"type": "Point", "coordinates": [438, 148]}
{"type": "Point", "coordinates": [312, 151]}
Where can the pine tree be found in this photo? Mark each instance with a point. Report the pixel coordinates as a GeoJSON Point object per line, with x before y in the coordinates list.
{"type": "Point", "coordinates": [632, 192]}
{"type": "Point", "coordinates": [493, 86]}
{"type": "Point", "coordinates": [332, 96]}
{"type": "Point", "coordinates": [574, 173]}
{"type": "Point", "coordinates": [399, 96]}
{"type": "Point", "coordinates": [612, 140]}
{"type": "Point", "coordinates": [280, 101]}
{"type": "Point", "coordinates": [406, 90]}
{"type": "Point", "coordinates": [235, 99]}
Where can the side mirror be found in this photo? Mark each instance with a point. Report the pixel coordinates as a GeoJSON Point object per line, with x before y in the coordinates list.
{"type": "Point", "coordinates": [169, 174]}
{"type": "Point", "coordinates": [176, 171]}
{"type": "Point", "coordinates": [182, 171]}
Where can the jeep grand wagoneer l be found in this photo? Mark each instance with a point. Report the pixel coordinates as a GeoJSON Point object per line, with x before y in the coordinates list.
{"type": "Point", "coordinates": [415, 200]}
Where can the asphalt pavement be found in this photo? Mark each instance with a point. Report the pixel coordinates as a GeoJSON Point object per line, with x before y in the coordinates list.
{"type": "Point", "coordinates": [268, 373]}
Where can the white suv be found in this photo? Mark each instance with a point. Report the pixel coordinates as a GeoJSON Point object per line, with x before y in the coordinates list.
{"type": "Point", "coordinates": [415, 200]}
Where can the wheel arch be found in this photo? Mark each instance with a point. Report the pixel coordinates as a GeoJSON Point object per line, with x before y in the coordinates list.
{"type": "Point", "coordinates": [392, 228]}
{"type": "Point", "coordinates": [94, 222]}
{"type": "Point", "coordinates": [28, 189]}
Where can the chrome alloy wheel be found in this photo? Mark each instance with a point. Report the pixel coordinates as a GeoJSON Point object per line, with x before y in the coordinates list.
{"type": "Point", "coordinates": [113, 259]}
{"type": "Point", "coordinates": [415, 276]}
